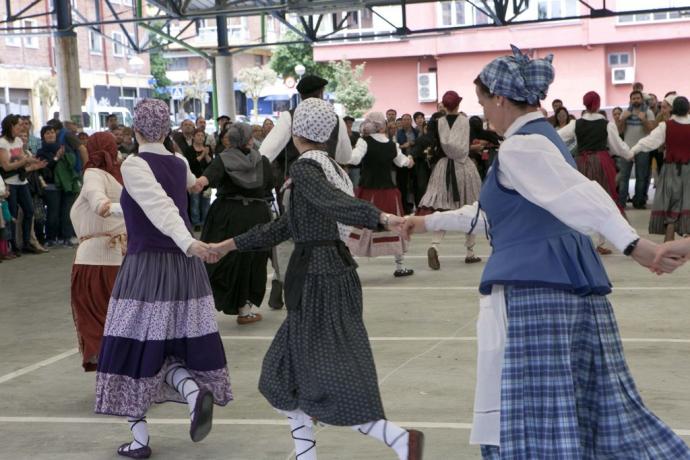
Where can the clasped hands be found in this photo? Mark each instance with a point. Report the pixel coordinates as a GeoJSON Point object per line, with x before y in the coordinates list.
{"type": "Point", "coordinates": [211, 253]}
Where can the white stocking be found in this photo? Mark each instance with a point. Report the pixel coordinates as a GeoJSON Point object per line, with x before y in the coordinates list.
{"type": "Point", "coordinates": [436, 238]}
{"type": "Point", "coordinates": [302, 430]}
{"type": "Point", "coordinates": [182, 381]}
{"type": "Point", "coordinates": [391, 434]}
{"type": "Point", "coordinates": [469, 244]}
{"type": "Point", "coordinates": [140, 433]}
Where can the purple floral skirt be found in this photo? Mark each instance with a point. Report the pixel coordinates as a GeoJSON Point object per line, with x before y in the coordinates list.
{"type": "Point", "coordinates": [161, 312]}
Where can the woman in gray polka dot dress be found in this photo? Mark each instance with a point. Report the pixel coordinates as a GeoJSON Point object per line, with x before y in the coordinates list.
{"type": "Point", "coordinates": [320, 365]}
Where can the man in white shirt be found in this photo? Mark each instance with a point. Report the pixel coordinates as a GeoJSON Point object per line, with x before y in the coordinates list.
{"type": "Point", "coordinates": [279, 140]}
{"type": "Point", "coordinates": [278, 147]}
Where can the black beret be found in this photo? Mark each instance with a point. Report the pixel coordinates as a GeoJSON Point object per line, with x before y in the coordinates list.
{"type": "Point", "coordinates": [310, 83]}
{"type": "Point", "coordinates": [348, 118]}
{"type": "Point", "coordinates": [222, 116]}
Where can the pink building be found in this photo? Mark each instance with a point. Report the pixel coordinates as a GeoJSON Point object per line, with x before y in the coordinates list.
{"type": "Point", "coordinates": [606, 55]}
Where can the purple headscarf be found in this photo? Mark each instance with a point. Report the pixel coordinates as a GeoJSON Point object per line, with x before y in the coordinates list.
{"type": "Point", "coordinates": [151, 119]}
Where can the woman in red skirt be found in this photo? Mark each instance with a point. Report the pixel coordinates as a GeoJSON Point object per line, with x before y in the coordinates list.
{"type": "Point", "coordinates": [100, 227]}
{"type": "Point", "coordinates": [378, 156]}
{"type": "Point", "coordinates": [597, 141]}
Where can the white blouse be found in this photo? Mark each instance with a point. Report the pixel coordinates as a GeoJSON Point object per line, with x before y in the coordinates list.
{"type": "Point", "coordinates": [281, 134]}
{"type": "Point", "coordinates": [657, 137]}
{"type": "Point", "coordinates": [535, 168]}
{"type": "Point", "coordinates": [147, 192]}
{"type": "Point", "coordinates": [360, 151]}
{"type": "Point", "coordinates": [98, 245]}
{"type": "Point", "coordinates": [616, 145]}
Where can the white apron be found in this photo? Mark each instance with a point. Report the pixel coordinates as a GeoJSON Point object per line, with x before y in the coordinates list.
{"type": "Point", "coordinates": [491, 341]}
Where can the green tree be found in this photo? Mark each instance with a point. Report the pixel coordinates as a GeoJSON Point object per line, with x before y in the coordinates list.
{"type": "Point", "coordinates": [158, 68]}
{"type": "Point", "coordinates": [286, 57]}
{"type": "Point", "coordinates": [351, 90]}
{"type": "Point", "coordinates": [254, 80]}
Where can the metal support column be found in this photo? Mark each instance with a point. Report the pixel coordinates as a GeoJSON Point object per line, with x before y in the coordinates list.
{"type": "Point", "coordinates": [67, 64]}
{"type": "Point", "coordinates": [223, 81]}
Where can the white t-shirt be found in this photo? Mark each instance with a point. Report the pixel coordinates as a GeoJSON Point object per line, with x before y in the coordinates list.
{"type": "Point", "coordinates": [16, 152]}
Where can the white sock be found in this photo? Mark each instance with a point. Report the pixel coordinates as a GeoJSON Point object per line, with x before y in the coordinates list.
{"type": "Point", "coordinates": [182, 381]}
{"type": "Point", "coordinates": [302, 430]}
{"type": "Point", "coordinates": [436, 239]}
{"type": "Point", "coordinates": [140, 432]}
{"type": "Point", "coordinates": [245, 310]}
{"type": "Point", "coordinates": [391, 434]}
{"type": "Point", "coordinates": [399, 262]}
{"type": "Point", "coordinates": [469, 244]}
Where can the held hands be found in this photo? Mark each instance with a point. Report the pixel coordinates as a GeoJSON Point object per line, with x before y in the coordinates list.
{"type": "Point", "coordinates": [410, 162]}
{"type": "Point", "coordinates": [392, 222]}
{"type": "Point", "coordinates": [203, 251]}
{"type": "Point", "coordinates": [678, 250]}
{"type": "Point", "coordinates": [199, 185]}
{"type": "Point", "coordinates": [646, 254]}
{"type": "Point", "coordinates": [413, 224]}
{"type": "Point", "coordinates": [224, 247]}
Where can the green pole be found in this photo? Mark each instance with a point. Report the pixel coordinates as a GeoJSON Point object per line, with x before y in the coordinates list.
{"type": "Point", "coordinates": [214, 97]}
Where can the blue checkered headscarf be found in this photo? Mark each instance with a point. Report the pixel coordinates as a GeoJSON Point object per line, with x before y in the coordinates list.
{"type": "Point", "coordinates": [518, 77]}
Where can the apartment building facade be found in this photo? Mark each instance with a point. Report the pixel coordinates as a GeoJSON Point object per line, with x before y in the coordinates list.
{"type": "Point", "coordinates": [108, 73]}
{"type": "Point", "coordinates": [607, 55]}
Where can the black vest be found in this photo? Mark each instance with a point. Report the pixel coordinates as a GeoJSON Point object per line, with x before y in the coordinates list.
{"type": "Point", "coordinates": [290, 153]}
{"type": "Point", "coordinates": [592, 135]}
{"type": "Point", "coordinates": [377, 165]}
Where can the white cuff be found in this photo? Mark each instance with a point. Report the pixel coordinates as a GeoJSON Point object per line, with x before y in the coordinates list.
{"type": "Point", "coordinates": [619, 232]}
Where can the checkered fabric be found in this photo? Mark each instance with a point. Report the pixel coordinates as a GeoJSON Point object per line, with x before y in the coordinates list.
{"type": "Point", "coordinates": [566, 391]}
{"type": "Point", "coordinates": [314, 119]}
{"type": "Point", "coordinates": [518, 77]}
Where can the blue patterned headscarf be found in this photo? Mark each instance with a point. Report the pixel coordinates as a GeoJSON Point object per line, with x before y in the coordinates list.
{"type": "Point", "coordinates": [518, 77]}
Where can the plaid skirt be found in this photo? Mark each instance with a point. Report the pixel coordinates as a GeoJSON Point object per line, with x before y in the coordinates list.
{"type": "Point", "coordinates": [566, 391]}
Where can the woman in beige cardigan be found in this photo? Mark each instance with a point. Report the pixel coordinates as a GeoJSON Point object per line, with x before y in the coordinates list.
{"type": "Point", "coordinates": [100, 227]}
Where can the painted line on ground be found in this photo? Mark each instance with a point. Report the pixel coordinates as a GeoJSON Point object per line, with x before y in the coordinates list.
{"type": "Point", "coordinates": [240, 422]}
{"type": "Point", "coordinates": [33, 367]}
{"type": "Point", "coordinates": [476, 287]}
{"type": "Point", "coordinates": [262, 338]}
{"type": "Point", "coordinates": [216, 421]}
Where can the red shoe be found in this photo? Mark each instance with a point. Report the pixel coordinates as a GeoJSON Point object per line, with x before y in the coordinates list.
{"type": "Point", "coordinates": [415, 445]}
{"type": "Point", "coordinates": [249, 319]}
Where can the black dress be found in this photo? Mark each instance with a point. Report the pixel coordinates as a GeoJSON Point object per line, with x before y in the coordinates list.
{"type": "Point", "coordinates": [237, 277]}
{"type": "Point", "coordinates": [320, 360]}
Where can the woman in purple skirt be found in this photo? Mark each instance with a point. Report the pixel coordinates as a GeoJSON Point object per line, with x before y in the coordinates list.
{"type": "Point", "coordinates": [161, 340]}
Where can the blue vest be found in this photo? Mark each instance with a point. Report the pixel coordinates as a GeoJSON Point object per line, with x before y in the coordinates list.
{"type": "Point", "coordinates": [531, 247]}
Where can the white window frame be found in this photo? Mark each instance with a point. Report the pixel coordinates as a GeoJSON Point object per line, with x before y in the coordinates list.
{"type": "Point", "coordinates": [118, 42]}
{"type": "Point", "coordinates": [30, 41]}
{"type": "Point", "coordinates": [632, 5]}
{"type": "Point", "coordinates": [352, 34]}
{"type": "Point", "coordinates": [237, 33]}
{"type": "Point", "coordinates": [208, 30]}
{"type": "Point", "coordinates": [96, 37]}
{"type": "Point", "coordinates": [10, 40]}
{"type": "Point", "coordinates": [618, 55]}
{"type": "Point", "coordinates": [471, 14]}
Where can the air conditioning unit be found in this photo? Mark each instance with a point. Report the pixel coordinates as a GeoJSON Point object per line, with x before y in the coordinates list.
{"type": "Point", "coordinates": [622, 75]}
{"type": "Point", "coordinates": [426, 87]}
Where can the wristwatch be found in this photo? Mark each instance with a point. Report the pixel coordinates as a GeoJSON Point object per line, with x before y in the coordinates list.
{"type": "Point", "coordinates": [631, 247]}
{"type": "Point", "coordinates": [386, 220]}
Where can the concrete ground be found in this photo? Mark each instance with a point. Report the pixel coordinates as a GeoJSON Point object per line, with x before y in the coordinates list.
{"type": "Point", "coordinates": [422, 333]}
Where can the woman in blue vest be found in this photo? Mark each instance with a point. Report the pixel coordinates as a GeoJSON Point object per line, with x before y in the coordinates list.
{"type": "Point", "coordinates": [552, 382]}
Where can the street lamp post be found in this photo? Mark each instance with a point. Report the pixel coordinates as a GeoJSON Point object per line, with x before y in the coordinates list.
{"type": "Point", "coordinates": [299, 70]}
{"type": "Point", "coordinates": [121, 73]}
